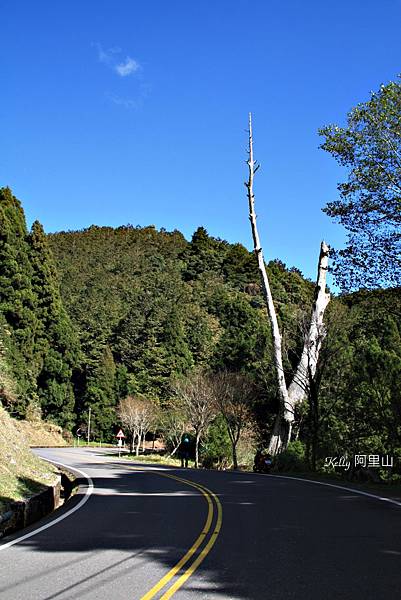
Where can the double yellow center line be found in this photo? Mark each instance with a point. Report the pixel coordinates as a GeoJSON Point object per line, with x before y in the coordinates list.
{"type": "Point", "coordinates": [204, 543]}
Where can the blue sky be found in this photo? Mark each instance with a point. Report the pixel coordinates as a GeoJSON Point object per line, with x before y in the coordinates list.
{"type": "Point", "coordinates": [124, 111]}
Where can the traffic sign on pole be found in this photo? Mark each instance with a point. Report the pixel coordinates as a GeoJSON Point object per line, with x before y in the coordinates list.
{"type": "Point", "coordinates": [120, 434]}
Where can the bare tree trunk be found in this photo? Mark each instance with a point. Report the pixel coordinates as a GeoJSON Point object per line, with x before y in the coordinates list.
{"type": "Point", "coordinates": [306, 369]}
{"type": "Point", "coordinates": [279, 437]}
{"type": "Point", "coordinates": [197, 440]}
{"type": "Point", "coordinates": [235, 458]}
{"type": "Point", "coordinates": [298, 389]}
{"type": "Point", "coordinates": [271, 311]}
{"type": "Point", "coordinates": [174, 449]}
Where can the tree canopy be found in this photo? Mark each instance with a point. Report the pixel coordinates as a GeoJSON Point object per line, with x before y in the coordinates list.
{"type": "Point", "coordinates": [369, 206]}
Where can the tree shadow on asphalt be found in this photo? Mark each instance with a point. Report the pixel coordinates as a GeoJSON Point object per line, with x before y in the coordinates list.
{"type": "Point", "coordinates": [147, 517]}
{"type": "Point", "coordinates": [273, 542]}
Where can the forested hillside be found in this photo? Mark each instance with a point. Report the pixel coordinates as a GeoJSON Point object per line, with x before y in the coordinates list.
{"type": "Point", "coordinates": [89, 318]}
{"type": "Point", "coordinates": [149, 306]}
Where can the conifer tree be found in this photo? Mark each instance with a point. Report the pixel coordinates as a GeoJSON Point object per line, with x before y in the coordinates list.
{"type": "Point", "coordinates": [100, 395]}
{"type": "Point", "coordinates": [173, 340]}
{"type": "Point", "coordinates": [203, 254]}
{"type": "Point", "coordinates": [17, 300]}
{"type": "Point", "coordinates": [8, 395]}
{"type": "Point", "coordinates": [56, 344]}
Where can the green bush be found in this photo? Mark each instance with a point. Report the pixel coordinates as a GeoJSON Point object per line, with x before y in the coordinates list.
{"type": "Point", "coordinates": [216, 448]}
{"type": "Point", "coordinates": [292, 459]}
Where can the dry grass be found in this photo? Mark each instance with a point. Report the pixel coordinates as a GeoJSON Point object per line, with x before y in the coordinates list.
{"type": "Point", "coordinates": [155, 458]}
{"type": "Point", "coordinates": [22, 474]}
{"type": "Point", "coordinates": [40, 433]}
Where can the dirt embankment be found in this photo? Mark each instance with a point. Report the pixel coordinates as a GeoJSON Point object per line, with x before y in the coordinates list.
{"type": "Point", "coordinates": [22, 474]}
{"type": "Point", "coordinates": [40, 434]}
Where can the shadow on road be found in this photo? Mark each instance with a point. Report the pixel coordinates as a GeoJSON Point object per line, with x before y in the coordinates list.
{"type": "Point", "coordinates": [280, 538]}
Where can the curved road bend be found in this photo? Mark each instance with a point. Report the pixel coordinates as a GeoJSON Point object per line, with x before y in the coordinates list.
{"type": "Point", "coordinates": [279, 539]}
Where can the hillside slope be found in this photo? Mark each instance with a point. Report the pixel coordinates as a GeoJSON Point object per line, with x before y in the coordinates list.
{"type": "Point", "coordinates": [40, 433]}
{"type": "Point", "coordinates": [22, 474]}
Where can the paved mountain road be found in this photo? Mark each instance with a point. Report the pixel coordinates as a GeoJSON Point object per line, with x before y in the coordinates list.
{"type": "Point", "coordinates": [279, 539]}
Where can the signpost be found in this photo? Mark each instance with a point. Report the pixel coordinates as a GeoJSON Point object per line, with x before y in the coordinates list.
{"type": "Point", "coordinates": [120, 436]}
{"type": "Point", "coordinates": [89, 425]}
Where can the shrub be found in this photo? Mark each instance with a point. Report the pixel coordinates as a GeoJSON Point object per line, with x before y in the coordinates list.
{"type": "Point", "coordinates": [292, 459]}
{"type": "Point", "coordinates": [216, 448]}
{"type": "Point", "coordinates": [33, 412]}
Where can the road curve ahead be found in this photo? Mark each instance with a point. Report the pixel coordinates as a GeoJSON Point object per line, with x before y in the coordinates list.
{"type": "Point", "coordinates": [147, 532]}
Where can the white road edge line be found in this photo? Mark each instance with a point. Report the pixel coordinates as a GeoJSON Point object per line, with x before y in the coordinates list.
{"type": "Point", "coordinates": [88, 492]}
{"type": "Point", "coordinates": [333, 485]}
{"type": "Point", "coordinates": [339, 487]}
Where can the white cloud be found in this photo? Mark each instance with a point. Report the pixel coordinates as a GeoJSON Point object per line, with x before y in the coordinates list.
{"type": "Point", "coordinates": [108, 57]}
{"type": "Point", "coordinates": [127, 67]}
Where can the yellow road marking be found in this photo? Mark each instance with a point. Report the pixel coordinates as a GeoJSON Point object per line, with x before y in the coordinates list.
{"type": "Point", "coordinates": [201, 557]}
{"type": "Point", "coordinates": [181, 580]}
{"type": "Point", "coordinates": [208, 494]}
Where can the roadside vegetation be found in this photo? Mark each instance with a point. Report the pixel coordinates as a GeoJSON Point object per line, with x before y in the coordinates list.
{"type": "Point", "coordinates": [160, 459]}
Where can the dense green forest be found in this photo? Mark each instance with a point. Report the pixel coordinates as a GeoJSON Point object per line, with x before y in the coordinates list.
{"type": "Point", "coordinates": [89, 318]}
{"type": "Point", "coordinates": [149, 306]}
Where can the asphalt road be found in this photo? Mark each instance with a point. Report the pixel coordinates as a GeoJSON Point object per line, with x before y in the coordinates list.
{"type": "Point", "coordinates": [240, 536]}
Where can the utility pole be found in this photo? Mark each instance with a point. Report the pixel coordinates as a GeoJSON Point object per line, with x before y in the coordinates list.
{"type": "Point", "coordinates": [89, 425]}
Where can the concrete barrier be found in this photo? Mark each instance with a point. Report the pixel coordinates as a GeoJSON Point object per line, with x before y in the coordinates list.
{"type": "Point", "coordinates": [25, 512]}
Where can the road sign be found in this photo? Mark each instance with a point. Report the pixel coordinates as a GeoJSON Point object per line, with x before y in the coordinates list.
{"type": "Point", "coordinates": [120, 434]}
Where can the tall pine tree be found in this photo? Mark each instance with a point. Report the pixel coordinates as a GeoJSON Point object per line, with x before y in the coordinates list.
{"type": "Point", "coordinates": [56, 344]}
{"type": "Point", "coordinates": [17, 299]}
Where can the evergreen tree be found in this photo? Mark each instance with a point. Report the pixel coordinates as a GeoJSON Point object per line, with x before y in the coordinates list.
{"type": "Point", "coordinates": [245, 339]}
{"type": "Point", "coordinates": [204, 254]}
{"type": "Point", "coordinates": [175, 344]}
{"type": "Point", "coordinates": [202, 331]}
{"type": "Point", "coordinates": [239, 267]}
{"type": "Point", "coordinates": [56, 344]}
{"type": "Point", "coordinates": [100, 394]}
{"type": "Point", "coordinates": [8, 388]}
{"type": "Point", "coordinates": [17, 299]}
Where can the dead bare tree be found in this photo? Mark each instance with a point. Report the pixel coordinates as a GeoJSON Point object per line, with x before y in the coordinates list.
{"type": "Point", "coordinates": [196, 393]}
{"type": "Point", "coordinates": [173, 423]}
{"type": "Point", "coordinates": [147, 419]}
{"type": "Point", "coordinates": [297, 390]}
{"type": "Point", "coordinates": [127, 413]}
{"type": "Point", "coordinates": [136, 415]}
{"type": "Point", "coordinates": [234, 393]}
